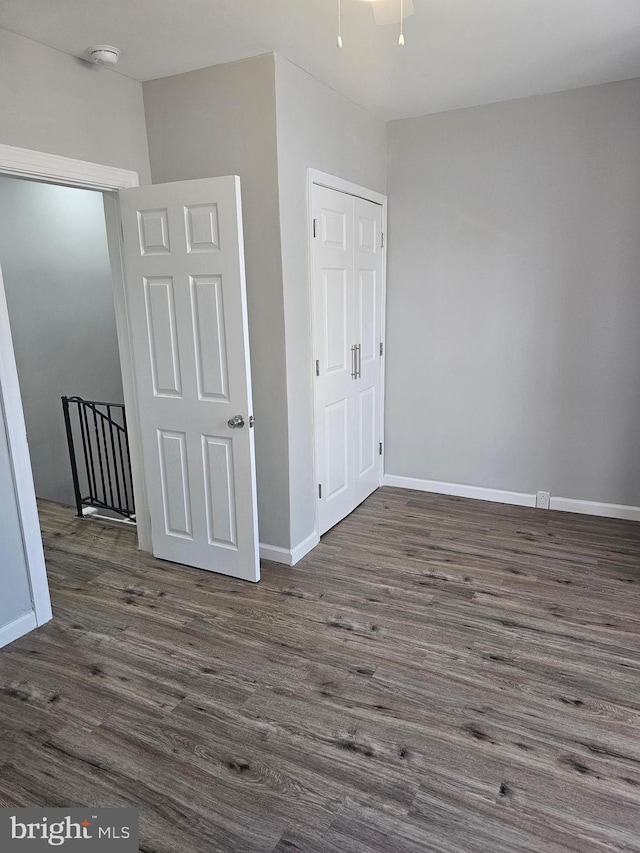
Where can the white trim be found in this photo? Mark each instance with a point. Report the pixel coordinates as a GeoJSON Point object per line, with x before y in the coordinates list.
{"type": "Point", "coordinates": [11, 412]}
{"type": "Point", "coordinates": [332, 182]}
{"type": "Point", "coordinates": [18, 628]}
{"type": "Point", "coordinates": [303, 548]}
{"type": "Point", "coordinates": [631, 513]}
{"type": "Point", "coordinates": [286, 556]}
{"type": "Point", "coordinates": [459, 490]}
{"type": "Point", "coordinates": [40, 166]}
{"type": "Point", "coordinates": [383, 337]}
{"type": "Point", "coordinates": [275, 554]}
{"type": "Point", "coordinates": [596, 508]}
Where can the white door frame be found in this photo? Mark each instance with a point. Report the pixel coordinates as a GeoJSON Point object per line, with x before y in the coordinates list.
{"type": "Point", "coordinates": [323, 179]}
{"type": "Point", "coordinates": [52, 168]}
{"type": "Point", "coordinates": [11, 412]}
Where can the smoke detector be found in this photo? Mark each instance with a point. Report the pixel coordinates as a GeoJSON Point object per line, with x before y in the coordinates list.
{"type": "Point", "coordinates": [103, 54]}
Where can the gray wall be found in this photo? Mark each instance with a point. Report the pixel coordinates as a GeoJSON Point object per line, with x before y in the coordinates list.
{"type": "Point", "coordinates": [15, 595]}
{"type": "Point", "coordinates": [221, 121]}
{"type": "Point", "coordinates": [514, 296]}
{"type": "Point", "coordinates": [320, 129]}
{"type": "Point", "coordinates": [55, 103]}
{"type": "Point", "coordinates": [267, 121]}
{"type": "Point", "coordinates": [55, 264]}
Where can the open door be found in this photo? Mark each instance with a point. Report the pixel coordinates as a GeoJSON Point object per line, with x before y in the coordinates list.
{"type": "Point", "coordinates": [187, 309]}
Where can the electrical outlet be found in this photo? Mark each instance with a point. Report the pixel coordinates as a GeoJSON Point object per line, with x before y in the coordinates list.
{"type": "Point", "coordinates": [542, 500]}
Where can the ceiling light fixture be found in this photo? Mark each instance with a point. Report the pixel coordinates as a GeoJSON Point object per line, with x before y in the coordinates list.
{"type": "Point", "coordinates": [385, 12]}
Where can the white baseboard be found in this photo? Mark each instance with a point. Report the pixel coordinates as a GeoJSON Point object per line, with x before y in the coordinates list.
{"type": "Point", "coordinates": [303, 548]}
{"type": "Point", "coordinates": [288, 557]}
{"type": "Point", "coordinates": [18, 628]}
{"type": "Point", "coordinates": [459, 490]}
{"type": "Point", "coordinates": [630, 513]}
{"type": "Point", "coordinates": [275, 554]}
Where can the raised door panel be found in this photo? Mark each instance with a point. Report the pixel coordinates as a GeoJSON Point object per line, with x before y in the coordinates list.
{"type": "Point", "coordinates": [368, 231]}
{"type": "Point", "coordinates": [153, 232]}
{"type": "Point", "coordinates": [217, 461]}
{"type": "Point", "coordinates": [162, 336]}
{"type": "Point", "coordinates": [174, 475]}
{"type": "Point", "coordinates": [209, 337]}
{"type": "Point", "coordinates": [202, 230]}
{"type": "Point", "coordinates": [335, 319]}
{"type": "Point", "coordinates": [366, 415]}
{"type": "Point", "coordinates": [336, 436]}
{"type": "Point", "coordinates": [368, 327]}
{"type": "Point", "coordinates": [334, 230]}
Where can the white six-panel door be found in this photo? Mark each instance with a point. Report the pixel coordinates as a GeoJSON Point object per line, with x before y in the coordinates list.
{"type": "Point", "coordinates": [347, 309]}
{"type": "Point", "coordinates": [185, 289]}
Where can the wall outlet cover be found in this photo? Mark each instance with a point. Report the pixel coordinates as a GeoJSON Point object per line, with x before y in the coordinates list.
{"type": "Point", "coordinates": [542, 500]}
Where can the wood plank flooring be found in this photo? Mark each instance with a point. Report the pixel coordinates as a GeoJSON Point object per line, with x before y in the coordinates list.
{"type": "Point", "coordinates": [439, 674]}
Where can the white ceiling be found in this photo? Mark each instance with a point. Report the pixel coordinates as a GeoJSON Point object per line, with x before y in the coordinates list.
{"type": "Point", "coordinates": [458, 52]}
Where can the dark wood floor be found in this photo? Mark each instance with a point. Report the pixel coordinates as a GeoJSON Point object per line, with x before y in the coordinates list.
{"type": "Point", "coordinates": [437, 675]}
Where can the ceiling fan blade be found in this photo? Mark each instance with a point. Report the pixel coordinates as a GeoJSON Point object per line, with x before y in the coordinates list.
{"type": "Point", "coordinates": [388, 11]}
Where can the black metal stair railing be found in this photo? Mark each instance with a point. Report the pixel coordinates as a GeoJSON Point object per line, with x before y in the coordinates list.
{"type": "Point", "coordinates": [100, 458]}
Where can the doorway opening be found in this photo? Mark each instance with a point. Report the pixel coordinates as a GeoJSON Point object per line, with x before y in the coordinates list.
{"type": "Point", "coordinates": [57, 276]}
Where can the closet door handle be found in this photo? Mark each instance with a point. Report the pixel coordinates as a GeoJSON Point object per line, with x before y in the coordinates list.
{"type": "Point", "coordinates": [354, 368]}
{"type": "Point", "coordinates": [359, 366]}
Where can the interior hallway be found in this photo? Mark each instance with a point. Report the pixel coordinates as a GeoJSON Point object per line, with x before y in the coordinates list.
{"type": "Point", "coordinates": [438, 674]}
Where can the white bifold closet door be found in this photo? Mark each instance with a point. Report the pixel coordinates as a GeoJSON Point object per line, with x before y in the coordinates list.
{"type": "Point", "coordinates": [347, 296]}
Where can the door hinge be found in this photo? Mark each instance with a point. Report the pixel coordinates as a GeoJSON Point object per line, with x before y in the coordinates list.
{"type": "Point", "coordinates": [317, 367]}
{"type": "Point", "coordinates": [380, 449]}
{"type": "Point", "coordinates": [319, 491]}
{"type": "Point", "coordinates": [381, 348]}
{"type": "Point", "coordinates": [382, 240]}
{"type": "Point", "coordinates": [314, 227]}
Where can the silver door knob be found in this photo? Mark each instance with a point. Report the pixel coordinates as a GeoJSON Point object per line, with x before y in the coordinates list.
{"type": "Point", "coordinates": [236, 422]}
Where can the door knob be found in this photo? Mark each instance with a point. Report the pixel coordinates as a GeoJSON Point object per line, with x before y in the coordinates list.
{"type": "Point", "coordinates": [236, 422]}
